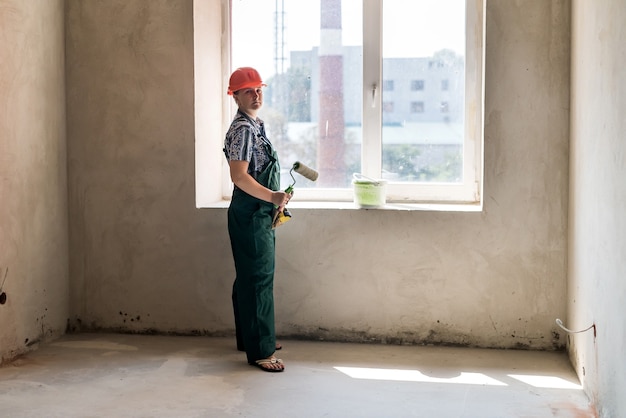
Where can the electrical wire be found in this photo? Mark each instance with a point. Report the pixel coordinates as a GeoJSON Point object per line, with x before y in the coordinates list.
{"type": "Point", "coordinates": [560, 323]}
{"type": "Point", "coordinates": [5, 279]}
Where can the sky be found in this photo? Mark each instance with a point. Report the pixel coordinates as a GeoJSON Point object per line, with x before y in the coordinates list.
{"type": "Point", "coordinates": [414, 28]}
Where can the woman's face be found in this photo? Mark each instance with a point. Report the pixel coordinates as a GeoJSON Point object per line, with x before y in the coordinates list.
{"type": "Point", "coordinates": [249, 100]}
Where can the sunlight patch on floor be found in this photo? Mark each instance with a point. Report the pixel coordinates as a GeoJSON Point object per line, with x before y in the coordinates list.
{"type": "Point", "coordinates": [549, 382]}
{"type": "Point", "coordinates": [417, 376]}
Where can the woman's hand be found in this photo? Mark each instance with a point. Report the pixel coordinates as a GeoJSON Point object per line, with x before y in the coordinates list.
{"type": "Point", "coordinates": [280, 199]}
{"type": "Point", "coordinates": [243, 180]}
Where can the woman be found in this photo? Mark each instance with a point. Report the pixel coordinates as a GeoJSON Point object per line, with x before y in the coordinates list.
{"type": "Point", "coordinates": [255, 172]}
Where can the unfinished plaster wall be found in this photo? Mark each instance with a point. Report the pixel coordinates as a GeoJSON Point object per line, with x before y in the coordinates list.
{"type": "Point", "coordinates": [143, 258]}
{"type": "Point", "coordinates": [597, 244]}
{"type": "Point", "coordinates": [142, 255]}
{"type": "Point", "coordinates": [33, 181]}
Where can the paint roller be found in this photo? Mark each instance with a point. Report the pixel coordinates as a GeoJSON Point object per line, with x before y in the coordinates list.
{"type": "Point", "coordinates": [306, 172]}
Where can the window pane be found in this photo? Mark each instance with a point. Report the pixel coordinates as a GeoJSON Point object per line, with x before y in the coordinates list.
{"type": "Point", "coordinates": [309, 53]}
{"type": "Point", "coordinates": [424, 59]}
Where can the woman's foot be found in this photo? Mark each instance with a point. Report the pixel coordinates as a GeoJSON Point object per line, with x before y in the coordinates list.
{"type": "Point", "coordinates": [270, 364]}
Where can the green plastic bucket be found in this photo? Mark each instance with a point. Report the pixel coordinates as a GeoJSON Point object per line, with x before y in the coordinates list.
{"type": "Point", "coordinates": [369, 193]}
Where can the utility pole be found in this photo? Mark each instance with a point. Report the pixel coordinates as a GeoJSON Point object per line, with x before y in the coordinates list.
{"type": "Point", "coordinates": [331, 144]}
{"type": "Point", "coordinates": [280, 96]}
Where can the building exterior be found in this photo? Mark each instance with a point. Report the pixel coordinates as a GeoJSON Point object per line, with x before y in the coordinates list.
{"type": "Point", "coordinates": [422, 105]}
{"type": "Point", "coordinates": [428, 89]}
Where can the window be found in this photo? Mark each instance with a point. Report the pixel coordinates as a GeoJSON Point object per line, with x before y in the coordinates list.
{"type": "Point", "coordinates": [417, 85]}
{"type": "Point", "coordinates": [444, 85]}
{"type": "Point", "coordinates": [331, 102]}
{"type": "Point", "coordinates": [388, 107]}
{"type": "Point", "coordinates": [387, 85]}
{"type": "Point", "coordinates": [417, 107]}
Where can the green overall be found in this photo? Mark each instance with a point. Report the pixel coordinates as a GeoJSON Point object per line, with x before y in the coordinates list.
{"type": "Point", "coordinates": [253, 244]}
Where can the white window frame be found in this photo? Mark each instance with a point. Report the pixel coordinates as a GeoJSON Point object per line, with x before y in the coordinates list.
{"type": "Point", "coordinates": [213, 185]}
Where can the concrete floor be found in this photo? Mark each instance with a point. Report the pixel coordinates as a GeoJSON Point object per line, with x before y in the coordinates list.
{"type": "Point", "coordinates": [113, 375]}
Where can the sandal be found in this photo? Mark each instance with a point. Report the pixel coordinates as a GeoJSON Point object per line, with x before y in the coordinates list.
{"type": "Point", "coordinates": [271, 362]}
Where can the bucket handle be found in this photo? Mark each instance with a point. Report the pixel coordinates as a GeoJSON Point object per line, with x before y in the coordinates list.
{"type": "Point", "coordinates": [359, 176]}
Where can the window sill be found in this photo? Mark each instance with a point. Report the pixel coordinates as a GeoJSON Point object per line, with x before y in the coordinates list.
{"type": "Point", "coordinates": [430, 207]}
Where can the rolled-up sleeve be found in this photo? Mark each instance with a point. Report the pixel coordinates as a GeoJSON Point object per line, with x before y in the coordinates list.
{"type": "Point", "coordinates": [239, 145]}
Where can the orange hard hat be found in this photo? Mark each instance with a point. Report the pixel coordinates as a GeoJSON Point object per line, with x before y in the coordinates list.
{"type": "Point", "coordinates": [243, 78]}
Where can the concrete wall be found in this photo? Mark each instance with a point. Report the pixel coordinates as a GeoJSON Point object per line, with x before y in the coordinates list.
{"type": "Point", "coordinates": [33, 180]}
{"type": "Point", "coordinates": [597, 231]}
{"type": "Point", "coordinates": [143, 258]}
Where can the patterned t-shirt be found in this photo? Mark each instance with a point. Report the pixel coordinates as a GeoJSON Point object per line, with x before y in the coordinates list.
{"type": "Point", "coordinates": [246, 141]}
